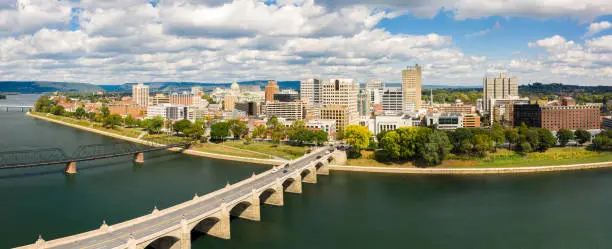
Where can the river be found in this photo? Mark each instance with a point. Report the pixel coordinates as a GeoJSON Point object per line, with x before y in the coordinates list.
{"type": "Point", "coordinates": [344, 210]}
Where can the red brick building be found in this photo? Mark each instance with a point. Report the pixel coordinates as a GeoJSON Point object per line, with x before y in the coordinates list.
{"type": "Point", "coordinates": [570, 117]}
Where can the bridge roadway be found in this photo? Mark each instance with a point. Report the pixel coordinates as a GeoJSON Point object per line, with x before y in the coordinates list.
{"type": "Point", "coordinates": [140, 232]}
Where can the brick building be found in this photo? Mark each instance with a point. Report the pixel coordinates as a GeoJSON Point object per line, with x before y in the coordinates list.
{"type": "Point", "coordinates": [571, 117]}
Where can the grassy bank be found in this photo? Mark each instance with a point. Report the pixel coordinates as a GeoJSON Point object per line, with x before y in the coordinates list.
{"type": "Point", "coordinates": [278, 150]}
{"type": "Point", "coordinates": [128, 132]}
{"type": "Point", "coordinates": [502, 159]}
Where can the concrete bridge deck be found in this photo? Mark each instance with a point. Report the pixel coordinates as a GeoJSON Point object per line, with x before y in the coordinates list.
{"type": "Point", "coordinates": [171, 228]}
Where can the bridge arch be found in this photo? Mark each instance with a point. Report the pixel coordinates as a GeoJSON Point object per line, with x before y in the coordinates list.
{"type": "Point", "coordinates": [166, 242]}
{"type": "Point", "coordinates": [292, 185]}
{"type": "Point", "coordinates": [212, 226]}
{"type": "Point", "coordinates": [309, 175]}
{"type": "Point", "coordinates": [267, 194]}
{"type": "Point", "coordinates": [272, 196]}
{"type": "Point", "coordinates": [247, 209]}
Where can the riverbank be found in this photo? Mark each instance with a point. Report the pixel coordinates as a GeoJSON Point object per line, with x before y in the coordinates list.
{"type": "Point", "coordinates": [470, 171]}
{"type": "Point", "coordinates": [141, 141]}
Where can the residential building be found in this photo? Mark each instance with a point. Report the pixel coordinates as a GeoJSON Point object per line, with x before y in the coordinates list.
{"type": "Point", "coordinates": [271, 89]}
{"type": "Point", "coordinates": [229, 102]}
{"type": "Point", "coordinates": [471, 121]}
{"type": "Point", "coordinates": [363, 105]}
{"type": "Point", "coordinates": [159, 99]}
{"type": "Point", "coordinates": [167, 111]}
{"type": "Point", "coordinates": [392, 100]}
{"type": "Point", "coordinates": [445, 121]}
{"type": "Point", "coordinates": [140, 94]}
{"type": "Point", "coordinates": [498, 88]}
{"type": "Point", "coordinates": [378, 124]}
{"type": "Point", "coordinates": [136, 111]}
{"type": "Point", "coordinates": [342, 92]}
{"type": "Point", "coordinates": [574, 117]}
{"type": "Point", "coordinates": [184, 98]}
{"type": "Point", "coordinates": [338, 113]}
{"type": "Point", "coordinates": [411, 86]}
{"type": "Point", "coordinates": [310, 91]}
{"type": "Point", "coordinates": [328, 126]}
{"type": "Point", "coordinates": [287, 110]}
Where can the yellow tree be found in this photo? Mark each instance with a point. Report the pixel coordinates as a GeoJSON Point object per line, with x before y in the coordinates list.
{"type": "Point", "coordinates": [357, 136]}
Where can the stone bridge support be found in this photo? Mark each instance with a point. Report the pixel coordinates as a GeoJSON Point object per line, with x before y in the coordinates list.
{"type": "Point", "coordinates": [139, 157]}
{"type": "Point", "coordinates": [216, 226]}
{"type": "Point", "coordinates": [248, 209]}
{"type": "Point", "coordinates": [293, 185]}
{"type": "Point", "coordinates": [71, 168]}
{"type": "Point", "coordinates": [322, 167]}
{"type": "Point", "coordinates": [273, 196]}
{"type": "Point", "coordinates": [309, 175]}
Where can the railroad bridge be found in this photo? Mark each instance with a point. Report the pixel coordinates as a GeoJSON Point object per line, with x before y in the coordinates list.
{"type": "Point", "coordinates": [210, 214]}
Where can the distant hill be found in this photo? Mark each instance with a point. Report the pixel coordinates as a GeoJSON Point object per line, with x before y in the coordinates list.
{"type": "Point", "coordinates": [186, 86]}
{"type": "Point", "coordinates": [46, 86]}
{"type": "Point", "coordinates": [560, 89]}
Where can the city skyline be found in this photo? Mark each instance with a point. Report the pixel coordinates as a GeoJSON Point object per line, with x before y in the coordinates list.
{"type": "Point", "coordinates": [456, 44]}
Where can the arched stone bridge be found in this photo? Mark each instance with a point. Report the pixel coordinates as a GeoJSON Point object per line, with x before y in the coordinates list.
{"type": "Point", "coordinates": [210, 214]}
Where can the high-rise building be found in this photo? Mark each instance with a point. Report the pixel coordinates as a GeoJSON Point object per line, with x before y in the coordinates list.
{"type": "Point", "coordinates": [310, 91]}
{"type": "Point", "coordinates": [196, 90]}
{"type": "Point", "coordinates": [287, 96]}
{"type": "Point", "coordinates": [411, 86]}
{"type": "Point", "coordinates": [159, 99]}
{"type": "Point", "coordinates": [229, 102]}
{"type": "Point", "coordinates": [572, 117]}
{"type": "Point", "coordinates": [375, 84]}
{"type": "Point", "coordinates": [392, 100]}
{"type": "Point", "coordinates": [250, 108]}
{"type": "Point", "coordinates": [184, 98]}
{"type": "Point", "coordinates": [375, 89]}
{"type": "Point", "coordinates": [363, 105]}
{"type": "Point", "coordinates": [167, 111]}
{"type": "Point", "coordinates": [338, 113]}
{"type": "Point", "coordinates": [287, 110]}
{"type": "Point", "coordinates": [341, 92]}
{"type": "Point", "coordinates": [271, 89]}
{"type": "Point", "coordinates": [140, 94]}
{"type": "Point", "coordinates": [498, 88]}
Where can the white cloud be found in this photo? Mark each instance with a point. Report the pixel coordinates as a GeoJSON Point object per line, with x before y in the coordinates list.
{"type": "Point", "coordinates": [28, 16]}
{"type": "Point", "coordinates": [597, 27]}
{"type": "Point", "coordinates": [496, 26]}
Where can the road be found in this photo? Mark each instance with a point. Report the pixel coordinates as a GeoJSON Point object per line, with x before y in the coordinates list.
{"type": "Point", "coordinates": [120, 237]}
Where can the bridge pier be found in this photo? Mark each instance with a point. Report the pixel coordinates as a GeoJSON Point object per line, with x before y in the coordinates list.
{"type": "Point", "coordinates": [71, 168]}
{"type": "Point", "coordinates": [139, 157]}
{"type": "Point", "coordinates": [293, 185]}
{"type": "Point", "coordinates": [273, 197]}
{"type": "Point", "coordinates": [323, 169]}
{"type": "Point", "coordinates": [309, 175]}
{"type": "Point", "coordinates": [185, 242]}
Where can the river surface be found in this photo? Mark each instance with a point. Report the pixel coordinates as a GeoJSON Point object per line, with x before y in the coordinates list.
{"type": "Point", "coordinates": [344, 210]}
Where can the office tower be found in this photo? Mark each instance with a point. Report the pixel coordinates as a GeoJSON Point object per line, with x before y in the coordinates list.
{"type": "Point", "coordinates": [185, 99]}
{"type": "Point", "coordinates": [342, 92]}
{"type": "Point", "coordinates": [287, 110]}
{"type": "Point", "coordinates": [196, 90]}
{"type": "Point", "coordinates": [375, 89]}
{"type": "Point", "coordinates": [287, 96]}
{"type": "Point", "coordinates": [411, 86]}
{"type": "Point", "coordinates": [271, 89]}
{"type": "Point", "coordinates": [140, 94]}
{"type": "Point", "coordinates": [363, 105]}
{"type": "Point", "coordinates": [392, 100]}
{"type": "Point", "coordinates": [229, 102]}
{"type": "Point", "coordinates": [338, 113]}
{"type": "Point", "coordinates": [498, 88]}
{"type": "Point", "coordinates": [310, 91]}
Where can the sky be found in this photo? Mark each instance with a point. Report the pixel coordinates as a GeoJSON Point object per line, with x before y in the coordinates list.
{"type": "Point", "coordinates": [457, 42]}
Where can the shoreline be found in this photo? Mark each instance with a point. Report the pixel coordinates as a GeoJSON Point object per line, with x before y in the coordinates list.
{"type": "Point", "coordinates": [267, 162]}
{"type": "Point", "coordinates": [470, 171]}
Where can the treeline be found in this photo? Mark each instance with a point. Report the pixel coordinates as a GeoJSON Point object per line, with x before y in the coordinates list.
{"type": "Point", "coordinates": [296, 132]}
{"type": "Point", "coordinates": [449, 95]}
{"type": "Point", "coordinates": [431, 146]}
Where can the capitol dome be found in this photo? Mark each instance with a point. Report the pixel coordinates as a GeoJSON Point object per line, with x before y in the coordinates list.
{"type": "Point", "coordinates": [235, 86]}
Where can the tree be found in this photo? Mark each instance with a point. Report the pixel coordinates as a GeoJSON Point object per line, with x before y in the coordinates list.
{"type": "Point", "coordinates": [219, 130]}
{"type": "Point", "coordinates": [603, 141]}
{"type": "Point", "coordinates": [259, 131]}
{"type": "Point", "coordinates": [153, 125]}
{"type": "Point", "coordinates": [320, 136]}
{"type": "Point", "coordinates": [298, 133]}
{"type": "Point", "coordinates": [582, 136]}
{"type": "Point", "coordinates": [104, 111]}
{"type": "Point", "coordinates": [524, 147]}
{"type": "Point", "coordinates": [129, 121]}
{"type": "Point", "coordinates": [461, 139]}
{"type": "Point", "coordinates": [357, 136]}
{"type": "Point", "coordinates": [80, 112]}
{"type": "Point", "coordinates": [238, 128]}
{"type": "Point", "coordinates": [44, 104]}
{"type": "Point", "coordinates": [390, 144]}
{"type": "Point", "coordinates": [512, 136]}
{"type": "Point", "coordinates": [547, 140]}
{"type": "Point", "coordinates": [482, 144]}
{"type": "Point", "coordinates": [276, 129]}
{"type": "Point", "coordinates": [437, 148]}
{"type": "Point", "coordinates": [195, 130]}
{"type": "Point", "coordinates": [57, 110]}
{"type": "Point", "coordinates": [111, 121]}
{"type": "Point", "coordinates": [405, 143]}
{"type": "Point", "coordinates": [564, 135]}
{"type": "Point", "coordinates": [181, 126]}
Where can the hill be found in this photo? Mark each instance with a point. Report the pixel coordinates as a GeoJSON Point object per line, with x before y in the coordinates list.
{"type": "Point", "coordinates": [46, 86]}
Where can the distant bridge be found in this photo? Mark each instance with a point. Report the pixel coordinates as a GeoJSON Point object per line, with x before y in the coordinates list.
{"type": "Point", "coordinates": [17, 108]}
{"type": "Point", "coordinates": [210, 214]}
{"type": "Point", "coordinates": [53, 156]}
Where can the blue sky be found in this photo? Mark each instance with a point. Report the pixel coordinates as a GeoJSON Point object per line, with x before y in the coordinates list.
{"type": "Point", "coordinates": [456, 42]}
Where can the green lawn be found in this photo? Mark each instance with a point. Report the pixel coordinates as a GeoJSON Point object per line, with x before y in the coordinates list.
{"type": "Point", "coordinates": [218, 149]}
{"type": "Point", "coordinates": [502, 159]}
{"type": "Point", "coordinates": [284, 151]}
{"type": "Point", "coordinates": [128, 132]}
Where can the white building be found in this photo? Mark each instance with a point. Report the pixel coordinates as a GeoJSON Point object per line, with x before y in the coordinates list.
{"type": "Point", "coordinates": [378, 124]}
{"type": "Point", "coordinates": [287, 110]}
{"type": "Point", "coordinates": [448, 121]}
{"type": "Point", "coordinates": [328, 126]}
{"type": "Point", "coordinates": [375, 91]}
{"type": "Point", "coordinates": [194, 114]}
{"type": "Point", "coordinates": [392, 100]}
{"type": "Point", "coordinates": [167, 111]}
{"type": "Point", "coordinates": [310, 91]}
{"type": "Point", "coordinates": [140, 94]}
{"type": "Point", "coordinates": [342, 92]}
{"type": "Point", "coordinates": [196, 90]}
